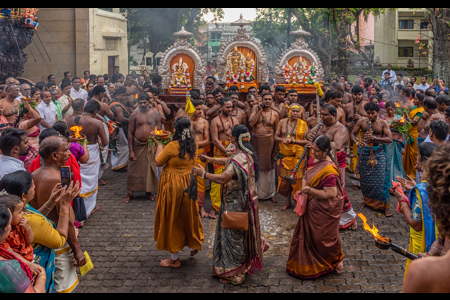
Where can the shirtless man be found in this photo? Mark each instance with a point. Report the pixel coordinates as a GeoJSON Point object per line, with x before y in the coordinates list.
{"type": "Point", "coordinates": [335, 99]}
{"type": "Point", "coordinates": [312, 119]}
{"type": "Point", "coordinates": [142, 173]}
{"type": "Point", "coordinates": [346, 96]}
{"type": "Point", "coordinates": [238, 112]}
{"type": "Point", "coordinates": [264, 122]}
{"type": "Point", "coordinates": [200, 130]}
{"type": "Point", "coordinates": [374, 182]}
{"type": "Point", "coordinates": [354, 111]}
{"type": "Point", "coordinates": [99, 93]}
{"type": "Point", "coordinates": [55, 151]}
{"type": "Point", "coordinates": [94, 131]}
{"type": "Point", "coordinates": [431, 113]}
{"type": "Point", "coordinates": [338, 135]}
{"type": "Point", "coordinates": [220, 129]}
{"type": "Point", "coordinates": [292, 97]}
{"type": "Point", "coordinates": [10, 104]}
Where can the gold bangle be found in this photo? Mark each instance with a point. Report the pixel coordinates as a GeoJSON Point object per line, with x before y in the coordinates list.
{"type": "Point", "coordinates": [401, 207]}
{"type": "Point", "coordinates": [43, 276]}
{"type": "Point", "coordinates": [64, 213]}
{"type": "Point", "coordinates": [45, 204]}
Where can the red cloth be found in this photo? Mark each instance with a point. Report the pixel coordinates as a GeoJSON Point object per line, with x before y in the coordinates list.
{"type": "Point", "coordinates": [341, 159]}
{"type": "Point", "coordinates": [16, 241]}
{"type": "Point", "coordinates": [72, 162]}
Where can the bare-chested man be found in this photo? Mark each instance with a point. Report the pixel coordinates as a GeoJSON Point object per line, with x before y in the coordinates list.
{"type": "Point", "coordinates": [354, 111]}
{"type": "Point", "coordinates": [372, 169]}
{"type": "Point", "coordinates": [346, 96]}
{"type": "Point", "coordinates": [200, 130]}
{"type": "Point", "coordinates": [338, 135]}
{"type": "Point", "coordinates": [54, 152]}
{"type": "Point", "coordinates": [238, 112]}
{"type": "Point", "coordinates": [10, 104]}
{"type": "Point", "coordinates": [335, 99]}
{"type": "Point", "coordinates": [220, 129]}
{"type": "Point", "coordinates": [142, 173]}
{"type": "Point", "coordinates": [292, 97]}
{"type": "Point", "coordinates": [290, 135]}
{"type": "Point", "coordinates": [264, 122]}
{"type": "Point", "coordinates": [94, 131]}
{"type": "Point", "coordinates": [431, 113]}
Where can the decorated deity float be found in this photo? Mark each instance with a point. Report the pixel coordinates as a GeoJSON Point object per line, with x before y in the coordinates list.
{"type": "Point", "coordinates": [17, 27]}
{"type": "Point", "coordinates": [242, 61]}
{"type": "Point", "coordinates": [181, 69]}
{"type": "Point", "coordinates": [299, 68]}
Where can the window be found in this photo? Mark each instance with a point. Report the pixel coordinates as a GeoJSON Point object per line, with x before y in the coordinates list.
{"type": "Point", "coordinates": [405, 51]}
{"type": "Point", "coordinates": [406, 24]}
{"type": "Point", "coordinates": [424, 24]}
{"type": "Point", "coordinates": [107, 9]}
{"type": "Point", "coordinates": [148, 61]}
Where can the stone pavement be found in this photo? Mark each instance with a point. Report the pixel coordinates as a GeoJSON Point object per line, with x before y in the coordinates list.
{"type": "Point", "coordinates": [119, 240]}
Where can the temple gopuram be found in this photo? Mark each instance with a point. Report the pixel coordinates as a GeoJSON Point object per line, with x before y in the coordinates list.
{"type": "Point", "coordinates": [17, 27]}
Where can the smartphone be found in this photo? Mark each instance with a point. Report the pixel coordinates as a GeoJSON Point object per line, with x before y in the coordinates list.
{"type": "Point", "coordinates": [66, 175]}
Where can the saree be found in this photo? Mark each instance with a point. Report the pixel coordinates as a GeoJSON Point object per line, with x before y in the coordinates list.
{"type": "Point", "coordinates": [119, 158]}
{"type": "Point", "coordinates": [316, 246]}
{"type": "Point", "coordinates": [394, 156]}
{"type": "Point", "coordinates": [420, 241]}
{"type": "Point", "coordinates": [43, 255]}
{"type": "Point", "coordinates": [265, 150]}
{"type": "Point", "coordinates": [89, 178]}
{"type": "Point", "coordinates": [411, 150]}
{"type": "Point", "coordinates": [218, 169]}
{"type": "Point", "coordinates": [235, 252]}
{"type": "Point", "coordinates": [142, 173]}
{"type": "Point", "coordinates": [200, 181]}
{"type": "Point", "coordinates": [15, 276]}
{"type": "Point", "coordinates": [375, 180]}
{"type": "Point", "coordinates": [348, 216]}
{"type": "Point", "coordinates": [291, 154]}
{"type": "Point", "coordinates": [354, 160]}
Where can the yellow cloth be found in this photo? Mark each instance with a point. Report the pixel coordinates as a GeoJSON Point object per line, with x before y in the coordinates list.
{"type": "Point", "coordinates": [44, 233]}
{"type": "Point", "coordinates": [177, 218]}
{"type": "Point", "coordinates": [200, 180]}
{"type": "Point", "coordinates": [292, 153]}
{"type": "Point", "coordinates": [190, 108]}
{"type": "Point", "coordinates": [411, 150]}
{"type": "Point", "coordinates": [215, 193]}
{"type": "Point", "coordinates": [354, 160]}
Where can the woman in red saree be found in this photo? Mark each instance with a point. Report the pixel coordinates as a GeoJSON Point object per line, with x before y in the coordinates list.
{"type": "Point", "coordinates": [316, 245]}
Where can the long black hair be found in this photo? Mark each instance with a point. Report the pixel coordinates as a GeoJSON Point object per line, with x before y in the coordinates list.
{"type": "Point", "coordinates": [186, 141]}
{"type": "Point", "coordinates": [17, 183]}
{"type": "Point", "coordinates": [236, 132]}
{"type": "Point", "coordinates": [323, 143]}
{"type": "Point", "coordinates": [5, 216]}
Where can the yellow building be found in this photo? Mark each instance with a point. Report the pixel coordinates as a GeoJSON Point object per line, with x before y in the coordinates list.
{"type": "Point", "coordinates": [395, 37]}
{"type": "Point", "coordinates": [75, 40]}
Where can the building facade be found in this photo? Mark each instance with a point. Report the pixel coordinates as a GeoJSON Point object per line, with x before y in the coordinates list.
{"type": "Point", "coordinates": [75, 40]}
{"type": "Point", "coordinates": [395, 38]}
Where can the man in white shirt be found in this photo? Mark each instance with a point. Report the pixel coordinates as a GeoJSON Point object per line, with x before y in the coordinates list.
{"type": "Point", "coordinates": [47, 111]}
{"type": "Point", "coordinates": [13, 144]}
{"type": "Point", "coordinates": [24, 91]}
{"type": "Point", "coordinates": [399, 80]}
{"type": "Point", "coordinates": [65, 101]}
{"type": "Point", "coordinates": [392, 74]}
{"type": "Point", "coordinates": [76, 91]}
{"type": "Point", "coordinates": [414, 82]}
{"type": "Point", "coordinates": [424, 85]}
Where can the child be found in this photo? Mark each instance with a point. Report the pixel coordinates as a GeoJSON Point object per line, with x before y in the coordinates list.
{"type": "Point", "coordinates": [21, 236]}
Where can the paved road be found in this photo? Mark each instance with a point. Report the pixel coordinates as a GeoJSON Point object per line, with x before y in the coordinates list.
{"type": "Point", "coordinates": [119, 240]}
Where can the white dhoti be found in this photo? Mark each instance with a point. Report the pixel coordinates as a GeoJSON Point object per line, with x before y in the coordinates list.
{"type": "Point", "coordinates": [119, 158]}
{"type": "Point", "coordinates": [65, 276]}
{"type": "Point", "coordinates": [266, 187]}
{"type": "Point", "coordinates": [104, 156]}
{"type": "Point", "coordinates": [89, 178]}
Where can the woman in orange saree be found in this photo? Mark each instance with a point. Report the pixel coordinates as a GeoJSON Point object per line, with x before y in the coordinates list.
{"type": "Point", "coordinates": [316, 245]}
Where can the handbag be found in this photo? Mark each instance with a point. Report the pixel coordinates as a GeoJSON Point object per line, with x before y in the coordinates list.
{"type": "Point", "coordinates": [79, 209]}
{"type": "Point", "coordinates": [191, 190]}
{"type": "Point", "coordinates": [302, 200]}
{"type": "Point", "coordinates": [235, 220]}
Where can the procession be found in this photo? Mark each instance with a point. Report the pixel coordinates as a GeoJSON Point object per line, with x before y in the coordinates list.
{"type": "Point", "coordinates": [219, 150]}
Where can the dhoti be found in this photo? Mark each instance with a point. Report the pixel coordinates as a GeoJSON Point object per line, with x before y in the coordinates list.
{"type": "Point", "coordinates": [348, 216]}
{"type": "Point", "coordinates": [142, 173]}
{"type": "Point", "coordinates": [104, 152]}
{"type": "Point", "coordinates": [66, 279]}
{"type": "Point", "coordinates": [119, 158]}
{"type": "Point", "coordinates": [200, 180]}
{"type": "Point", "coordinates": [89, 178]}
{"type": "Point", "coordinates": [215, 193]}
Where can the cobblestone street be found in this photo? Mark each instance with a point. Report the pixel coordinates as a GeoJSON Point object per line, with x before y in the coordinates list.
{"type": "Point", "coordinates": [119, 240]}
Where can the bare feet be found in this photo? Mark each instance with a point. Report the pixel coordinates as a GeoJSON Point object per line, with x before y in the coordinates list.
{"type": "Point", "coordinates": [97, 207]}
{"type": "Point", "coordinates": [388, 212]}
{"type": "Point", "coordinates": [170, 263]}
{"type": "Point", "coordinates": [224, 281]}
{"type": "Point", "coordinates": [286, 206]}
{"type": "Point", "coordinates": [362, 205]}
{"type": "Point", "coordinates": [356, 188]}
{"type": "Point", "coordinates": [203, 212]}
{"type": "Point", "coordinates": [354, 225]}
{"type": "Point", "coordinates": [126, 199]}
{"type": "Point", "coordinates": [193, 252]}
{"type": "Point", "coordinates": [212, 213]}
{"type": "Point", "coordinates": [273, 199]}
{"type": "Point", "coordinates": [340, 267]}
{"type": "Point", "coordinates": [266, 247]}
{"type": "Point", "coordinates": [150, 196]}
{"type": "Point", "coordinates": [102, 182]}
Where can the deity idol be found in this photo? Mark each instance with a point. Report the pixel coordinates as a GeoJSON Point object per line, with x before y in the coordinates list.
{"type": "Point", "coordinates": [298, 71]}
{"type": "Point", "coordinates": [287, 71]}
{"type": "Point", "coordinates": [249, 66]}
{"type": "Point", "coordinates": [235, 62]}
{"type": "Point", "coordinates": [312, 74]}
{"type": "Point", "coordinates": [180, 74]}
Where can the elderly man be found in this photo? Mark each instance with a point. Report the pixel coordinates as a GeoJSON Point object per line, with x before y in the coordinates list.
{"type": "Point", "coordinates": [10, 104]}
{"type": "Point", "coordinates": [54, 152]}
{"type": "Point", "coordinates": [65, 101]}
{"type": "Point", "coordinates": [13, 144]}
{"type": "Point", "coordinates": [47, 110]}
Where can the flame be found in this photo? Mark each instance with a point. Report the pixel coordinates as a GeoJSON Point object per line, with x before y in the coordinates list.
{"type": "Point", "coordinates": [158, 132]}
{"type": "Point", "coordinates": [77, 130]}
{"type": "Point", "coordinates": [373, 230]}
{"type": "Point", "coordinates": [397, 105]}
{"type": "Point", "coordinates": [402, 119]}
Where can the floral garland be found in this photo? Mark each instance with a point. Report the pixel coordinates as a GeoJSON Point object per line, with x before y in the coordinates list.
{"type": "Point", "coordinates": [319, 90]}
{"type": "Point", "coordinates": [288, 75]}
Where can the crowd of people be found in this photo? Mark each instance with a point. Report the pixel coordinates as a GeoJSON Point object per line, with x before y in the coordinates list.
{"type": "Point", "coordinates": [390, 136]}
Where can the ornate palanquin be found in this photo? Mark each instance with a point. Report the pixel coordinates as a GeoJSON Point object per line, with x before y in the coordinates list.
{"type": "Point", "coordinates": [299, 67]}
{"type": "Point", "coordinates": [242, 61]}
{"type": "Point", "coordinates": [181, 66]}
